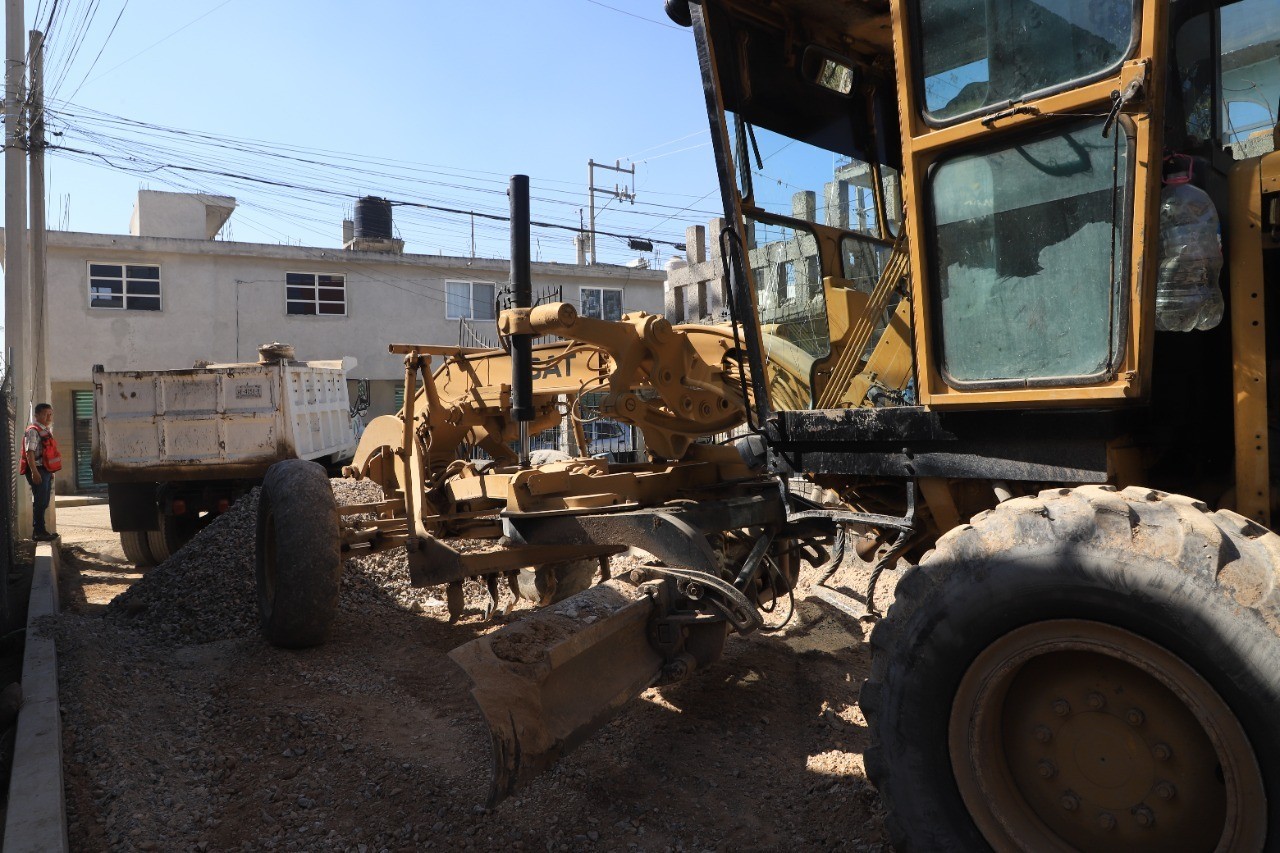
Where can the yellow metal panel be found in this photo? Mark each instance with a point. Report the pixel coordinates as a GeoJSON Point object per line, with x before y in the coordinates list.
{"type": "Point", "coordinates": [1249, 338]}
{"type": "Point", "coordinates": [937, 494]}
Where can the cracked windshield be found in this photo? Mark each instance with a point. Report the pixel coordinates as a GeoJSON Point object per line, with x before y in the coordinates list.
{"type": "Point", "coordinates": [1027, 260]}
{"type": "Point", "coordinates": [976, 59]}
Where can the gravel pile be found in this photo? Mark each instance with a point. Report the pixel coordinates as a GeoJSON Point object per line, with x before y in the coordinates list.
{"type": "Point", "coordinates": [204, 592]}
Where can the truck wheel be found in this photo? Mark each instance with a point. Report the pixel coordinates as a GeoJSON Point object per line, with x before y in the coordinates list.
{"type": "Point", "coordinates": [171, 534]}
{"type": "Point", "coordinates": [1082, 670]}
{"type": "Point", "coordinates": [135, 547]}
{"type": "Point", "coordinates": [298, 561]}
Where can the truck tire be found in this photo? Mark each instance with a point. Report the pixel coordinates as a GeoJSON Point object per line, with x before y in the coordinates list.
{"type": "Point", "coordinates": [1086, 669]}
{"type": "Point", "coordinates": [298, 563]}
{"type": "Point", "coordinates": [136, 549]}
{"type": "Point", "coordinates": [170, 535]}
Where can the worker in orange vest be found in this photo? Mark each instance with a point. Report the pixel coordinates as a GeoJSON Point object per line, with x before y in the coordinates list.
{"type": "Point", "coordinates": [40, 459]}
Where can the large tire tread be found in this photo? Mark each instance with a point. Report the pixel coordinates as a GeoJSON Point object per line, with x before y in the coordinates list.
{"type": "Point", "coordinates": [1204, 584]}
{"type": "Point", "coordinates": [298, 559]}
{"type": "Point", "coordinates": [136, 548]}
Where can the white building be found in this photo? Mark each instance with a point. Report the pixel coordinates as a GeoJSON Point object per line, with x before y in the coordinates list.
{"type": "Point", "coordinates": [169, 294]}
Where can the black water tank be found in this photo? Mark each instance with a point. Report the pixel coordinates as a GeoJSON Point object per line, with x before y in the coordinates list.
{"type": "Point", "coordinates": [373, 218]}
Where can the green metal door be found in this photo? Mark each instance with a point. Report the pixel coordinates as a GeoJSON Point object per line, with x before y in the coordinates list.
{"type": "Point", "coordinates": [82, 439]}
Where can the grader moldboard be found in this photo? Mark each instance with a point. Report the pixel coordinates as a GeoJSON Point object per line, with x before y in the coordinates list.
{"type": "Point", "coordinates": [950, 335]}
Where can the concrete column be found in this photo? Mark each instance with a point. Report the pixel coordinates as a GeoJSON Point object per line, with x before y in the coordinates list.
{"type": "Point", "coordinates": [804, 205]}
{"type": "Point", "coordinates": [695, 240]}
{"type": "Point", "coordinates": [837, 200]}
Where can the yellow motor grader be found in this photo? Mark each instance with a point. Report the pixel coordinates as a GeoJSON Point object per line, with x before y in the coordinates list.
{"type": "Point", "coordinates": [998, 279]}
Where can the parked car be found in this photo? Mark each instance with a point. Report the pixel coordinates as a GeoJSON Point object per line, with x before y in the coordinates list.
{"type": "Point", "coordinates": [607, 437]}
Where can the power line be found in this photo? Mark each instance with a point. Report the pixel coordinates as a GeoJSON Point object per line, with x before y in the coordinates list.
{"type": "Point", "coordinates": [152, 168]}
{"type": "Point", "coordinates": [300, 177]}
{"type": "Point", "coordinates": [163, 40]}
{"type": "Point", "coordinates": [633, 15]}
{"type": "Point", "coordinates": [110, 33]}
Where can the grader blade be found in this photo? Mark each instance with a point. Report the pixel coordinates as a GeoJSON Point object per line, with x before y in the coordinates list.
{"type": "Point", "coordinates": [547, 682]}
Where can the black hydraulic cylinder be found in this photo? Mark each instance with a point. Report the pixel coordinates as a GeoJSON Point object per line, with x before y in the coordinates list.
{"type": "Point", "coordinates": [522, 292]}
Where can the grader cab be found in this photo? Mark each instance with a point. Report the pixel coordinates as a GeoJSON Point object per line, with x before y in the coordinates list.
{"type": "Point", "coordinates": [986, 329]}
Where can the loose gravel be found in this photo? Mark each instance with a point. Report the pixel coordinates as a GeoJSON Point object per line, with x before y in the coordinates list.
{"type": "Point", "coordinates": [184, 730]}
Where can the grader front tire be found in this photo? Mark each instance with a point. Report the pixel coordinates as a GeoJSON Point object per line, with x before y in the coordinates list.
{"type": "Point", "coordinates": [1084, 670]}
{"type": "Point", "coordinates": [298, 559]}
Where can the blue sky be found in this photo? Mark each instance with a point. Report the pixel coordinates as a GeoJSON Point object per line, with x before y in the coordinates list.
{"type": "Point", "coordinates": [430, 102]}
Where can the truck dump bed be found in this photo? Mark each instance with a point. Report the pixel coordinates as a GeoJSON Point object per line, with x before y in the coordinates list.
{"type": "Point", "coordinates": [223, 421]}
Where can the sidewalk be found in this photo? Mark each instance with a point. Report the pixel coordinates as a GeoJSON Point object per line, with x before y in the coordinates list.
{"type": "Point", "coordinates": [79, 500]}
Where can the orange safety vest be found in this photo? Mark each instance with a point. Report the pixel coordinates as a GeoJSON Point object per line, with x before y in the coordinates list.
{"type": "Point", "coordinates": [51, 457]}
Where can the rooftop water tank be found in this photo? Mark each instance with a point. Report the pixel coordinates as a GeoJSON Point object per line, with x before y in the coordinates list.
{"type": "Point", "coordinates": [373, 218]}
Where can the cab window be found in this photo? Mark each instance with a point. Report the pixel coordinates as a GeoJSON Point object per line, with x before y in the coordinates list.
{"type": "Point", "coordinates": [1250, 76]}
{"type": "Point", "coordinates": [979, 55]}
{"type": "Point", "coordinates": [1028, 262]}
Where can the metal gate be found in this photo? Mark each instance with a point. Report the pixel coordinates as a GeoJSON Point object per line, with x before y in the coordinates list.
{"type": "Point", "coordinates": [82, 439]}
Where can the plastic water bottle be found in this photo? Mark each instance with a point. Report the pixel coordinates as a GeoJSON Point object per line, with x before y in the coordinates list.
{"type": "Point", "coordinates": [1187, 294]}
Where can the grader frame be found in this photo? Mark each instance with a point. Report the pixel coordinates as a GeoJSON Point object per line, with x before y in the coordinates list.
{"type": "Point", "coordinates": [1073, 661]}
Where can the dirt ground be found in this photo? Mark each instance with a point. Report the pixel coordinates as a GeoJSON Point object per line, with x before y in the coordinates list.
{"type": "Point", "coordinates": [372, 741]}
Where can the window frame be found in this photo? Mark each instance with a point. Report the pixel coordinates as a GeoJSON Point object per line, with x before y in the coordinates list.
{"type": "Point", "coordinates": [603, 289]}
{"type": "Point", "coordinates": [315, 286]}
{"type": "Point", "coordinates": [1141, 119]}
{"type": "Point", "coordinates": [1122, 316]}
{"type": "Point", "coordinates": [918, 83]}
{"type": "Point", "coordinates": [124, 279]}
{"type": "Point", "coordinates": [471, 299]}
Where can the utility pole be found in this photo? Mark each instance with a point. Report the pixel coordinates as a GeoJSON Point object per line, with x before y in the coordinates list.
{"type": "Point", "coordinates": [39, 282]}
{"type": "Point", "coordinates": [15, 240]}
{"type": "Point", "coordinates": [620, 193]}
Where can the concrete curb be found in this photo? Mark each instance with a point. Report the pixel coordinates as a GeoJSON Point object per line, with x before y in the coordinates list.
{"type": "Point", "coordinates": [36, 821]}
{"type": "Point", "coordinates": [79, 500]}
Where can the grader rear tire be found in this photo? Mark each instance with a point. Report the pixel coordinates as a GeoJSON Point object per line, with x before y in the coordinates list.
{"type": "Point", "coordinates": [135, 547]}
{"type": "Point", "coordinates": [1083, 670]}
{"type": "Point", "coordinates": [298, 558]}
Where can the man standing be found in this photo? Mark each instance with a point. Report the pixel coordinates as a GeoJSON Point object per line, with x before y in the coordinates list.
{"type": "Point", "coordinates": [40, 459]}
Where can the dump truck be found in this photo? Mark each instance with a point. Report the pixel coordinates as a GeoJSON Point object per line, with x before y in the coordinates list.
{"type": "Point", "coordinates": [177, 448]}
{"type": "Point", "coordinates": [1000, 278]}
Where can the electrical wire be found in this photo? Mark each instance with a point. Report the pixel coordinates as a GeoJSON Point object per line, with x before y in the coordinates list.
{"type": "Point", "coordinates": [105, 41]}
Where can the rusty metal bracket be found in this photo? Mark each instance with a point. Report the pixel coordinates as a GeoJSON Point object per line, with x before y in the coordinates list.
{"type": "Point", "coordinates": [1133, 76]}
{"type": "Point", "coordinates": [674, 535]}
{"type": "Point", "coordinates": [1019, 110]}
{"type": "Point", "coordinates": [434, 562]}
{"type": "Point", "coordinates": [696, 586]}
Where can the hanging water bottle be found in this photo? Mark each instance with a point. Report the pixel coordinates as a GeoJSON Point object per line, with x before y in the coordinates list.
{"type": "Point", "coordinates": [1187, 294]}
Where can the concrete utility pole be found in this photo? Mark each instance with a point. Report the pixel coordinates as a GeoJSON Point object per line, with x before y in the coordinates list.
{"type": "Point", "coordinates": [620, 193]}
{"type": "Point", "coordinates": [39, 281]}
{"type": "Point", "coordinates": [15, 241]}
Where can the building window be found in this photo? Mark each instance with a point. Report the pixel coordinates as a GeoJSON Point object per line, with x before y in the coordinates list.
{"type": "Point", "coordinates": [131, 287]}
{"type": "Point", "coordinates": [603, 303]}
{"type": "Point", "coordinates": [469, 300]}
{"type": "Point", "coordinates": [315, 293]}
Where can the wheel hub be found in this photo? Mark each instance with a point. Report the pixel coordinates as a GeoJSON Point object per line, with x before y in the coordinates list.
{"type": "Point", "coordinates": [1104, 759]}
{"type": "Point", "coordinates": [1070, 735]}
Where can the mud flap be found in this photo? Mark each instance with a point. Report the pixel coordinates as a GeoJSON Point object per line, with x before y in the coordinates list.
{"type": "Point", "coordinates": [547, 682]}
